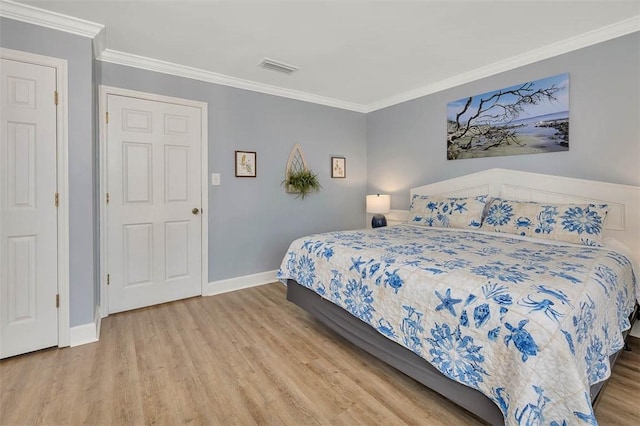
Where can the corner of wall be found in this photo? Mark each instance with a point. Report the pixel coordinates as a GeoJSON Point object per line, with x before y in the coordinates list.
{"type": "Point", "coordinates": [86, 333]}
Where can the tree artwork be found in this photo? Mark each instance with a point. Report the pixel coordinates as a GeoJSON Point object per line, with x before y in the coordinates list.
{"type": "Point", "coordinates": [528, 118]}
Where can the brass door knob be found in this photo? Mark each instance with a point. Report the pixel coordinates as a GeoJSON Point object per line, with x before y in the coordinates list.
{"type": "Point", "coordinates": [195, 210]}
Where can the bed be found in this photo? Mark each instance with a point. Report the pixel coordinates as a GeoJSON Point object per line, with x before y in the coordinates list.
{"type": "Point", "coordinates": [515, 328]}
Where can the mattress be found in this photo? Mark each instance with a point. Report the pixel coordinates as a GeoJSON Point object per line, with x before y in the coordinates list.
{"type": "Point", "coordinates": [529, 324]}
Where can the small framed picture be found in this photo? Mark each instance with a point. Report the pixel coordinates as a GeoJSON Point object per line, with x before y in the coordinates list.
{"type": "Point", "coordinates": [246, 163]}
{"type": "Point", "coordinates": [338, 167]}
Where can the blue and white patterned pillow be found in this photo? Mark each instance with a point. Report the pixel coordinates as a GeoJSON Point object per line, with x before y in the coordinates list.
{"type": "Point", "coordinates": [447, 212]}
{"type": "Point", "coordinates": [573, 223]}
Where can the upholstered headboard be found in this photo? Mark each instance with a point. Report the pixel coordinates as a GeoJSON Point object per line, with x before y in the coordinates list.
{"type": "Point", "coordinates": [623, 219]}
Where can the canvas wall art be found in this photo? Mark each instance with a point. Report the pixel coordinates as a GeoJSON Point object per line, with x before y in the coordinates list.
{"type": "Point", "coordinates": [528, 118]}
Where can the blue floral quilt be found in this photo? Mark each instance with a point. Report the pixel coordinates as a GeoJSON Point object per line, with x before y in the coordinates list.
{"type": "Point", "coordinates": [530, 324]}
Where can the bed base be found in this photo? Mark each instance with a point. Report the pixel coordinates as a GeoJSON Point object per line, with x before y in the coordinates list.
{"type": "Point", "coordinates": [367, 338]}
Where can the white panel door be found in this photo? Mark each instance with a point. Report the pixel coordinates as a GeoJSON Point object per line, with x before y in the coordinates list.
{"type": "Point", "coordinates": [154, 207]}
{"type": "Point", "coordinates": [28, 216]}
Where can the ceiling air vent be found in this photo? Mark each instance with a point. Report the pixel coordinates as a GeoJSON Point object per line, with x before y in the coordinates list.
{"type": "Point", "coordinates": [270, 64]}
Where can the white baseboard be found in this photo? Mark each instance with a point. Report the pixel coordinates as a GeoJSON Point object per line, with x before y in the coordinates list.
{"type": "Point", "coordinates": [90, 332]}
{"type": "Point", "coordinates": [86, 333]}
{"type": "Point", "coordinates": [238, 283]}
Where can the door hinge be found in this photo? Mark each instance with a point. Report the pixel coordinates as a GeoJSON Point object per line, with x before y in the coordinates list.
{"type": "Point", "coordinates": [55, 97]}
{"type": "Point", "coordinates": [57, 199]}
{"type": "Point", "coordinates": [57, 300]}
{"type": "Point", "coordinates": [107, 114]}
{"type": "Point", "coordinates": [108, 198]}
{"type": "Point", "coordinates": [108, 279]}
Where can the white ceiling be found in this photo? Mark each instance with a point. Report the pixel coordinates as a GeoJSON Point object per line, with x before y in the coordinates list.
{"type": "Point", "coordinates": [361, 53]}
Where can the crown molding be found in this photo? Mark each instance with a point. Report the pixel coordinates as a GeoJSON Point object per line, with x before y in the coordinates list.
{"type": "Point", "coordinates": [150, 64]}
{"type": "Point", "coordinates": [49, 19]}
{"type": "Point", "coordinates": [587, 39]}
{"type": "Point", "coordinates": [81, 27]}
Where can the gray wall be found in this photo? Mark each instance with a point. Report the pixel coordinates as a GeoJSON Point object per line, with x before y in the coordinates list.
{"type": "Point", "coordinates": [82, 243]}
{"type": "Point", "coordinates": [406, 143]}
{"type": "Point", "coordinates": [253, 221]}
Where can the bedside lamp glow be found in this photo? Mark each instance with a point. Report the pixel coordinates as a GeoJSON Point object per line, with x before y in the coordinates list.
{"type": "Point", "coordinates": [378, 205]}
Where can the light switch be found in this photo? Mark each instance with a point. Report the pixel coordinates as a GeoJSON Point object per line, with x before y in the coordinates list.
{"type": "Point", "coordinates": [215, 179]}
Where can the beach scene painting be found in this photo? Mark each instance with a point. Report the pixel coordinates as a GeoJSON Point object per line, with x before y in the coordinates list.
{"type": "Point", "coordinates": [528, 118]}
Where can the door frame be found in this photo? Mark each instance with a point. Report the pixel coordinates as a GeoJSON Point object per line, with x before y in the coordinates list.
{"type": "Point", "coordinates": [204, 189]}
{"type": "Point", "coordinates": [62, 179]}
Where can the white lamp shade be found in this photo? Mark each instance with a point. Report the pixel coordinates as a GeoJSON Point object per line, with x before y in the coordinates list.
{"type": "Point", "coordinates": [378, 204]}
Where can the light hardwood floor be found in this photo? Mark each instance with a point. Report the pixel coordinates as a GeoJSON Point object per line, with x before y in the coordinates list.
{"type": "Point", "coordinates": [242, 358]}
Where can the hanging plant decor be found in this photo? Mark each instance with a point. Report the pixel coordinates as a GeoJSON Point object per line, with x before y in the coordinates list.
{"type": "Point", "coordinates": [298, 178]}
{"type": "Point", "coordinates": [303, 183]}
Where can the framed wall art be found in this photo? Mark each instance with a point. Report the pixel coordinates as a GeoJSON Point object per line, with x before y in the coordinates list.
{"type": "Point", "coordinates": [338, 167]}
{"type": "Point", "coordinates": [246, 163]}
{"type": "Point", "coordinates": [528, 118]}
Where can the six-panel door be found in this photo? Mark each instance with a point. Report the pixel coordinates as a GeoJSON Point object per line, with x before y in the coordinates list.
{"type": "Point", "coordinates": [28, 214]}
{"type": "Point", "coordinates": [154, 177]}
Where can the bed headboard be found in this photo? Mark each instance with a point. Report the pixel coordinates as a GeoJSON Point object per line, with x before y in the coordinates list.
{"type": "Point", "coordinates": [623, 219]}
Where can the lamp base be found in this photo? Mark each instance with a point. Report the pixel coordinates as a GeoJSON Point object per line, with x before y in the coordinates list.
{"type": "Point", "coordinates": [378, 220]}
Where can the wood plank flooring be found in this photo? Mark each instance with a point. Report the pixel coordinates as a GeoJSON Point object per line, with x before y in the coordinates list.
{"type": "Point", "coordinates": [242, 358]}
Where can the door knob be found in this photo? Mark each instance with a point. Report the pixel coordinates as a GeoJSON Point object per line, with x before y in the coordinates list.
{"type": "Point", "coordinates": [195, 210]}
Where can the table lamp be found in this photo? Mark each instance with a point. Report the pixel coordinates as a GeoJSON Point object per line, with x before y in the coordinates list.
{"type": "Point", "coordinates": [378, 205]}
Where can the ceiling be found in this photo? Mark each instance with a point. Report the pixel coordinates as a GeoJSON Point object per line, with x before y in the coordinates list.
{"type": "Point", "coordinates": [364, 54]}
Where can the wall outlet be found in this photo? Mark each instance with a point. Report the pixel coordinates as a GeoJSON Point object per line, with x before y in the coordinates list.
{"type": "Point", "coordinates": [215, 179]}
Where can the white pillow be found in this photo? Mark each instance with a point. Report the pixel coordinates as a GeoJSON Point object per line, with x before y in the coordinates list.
{"type": "Point", "coordinates": [447, 212]}
{"type": "Point", "coordinates": [573, 223]}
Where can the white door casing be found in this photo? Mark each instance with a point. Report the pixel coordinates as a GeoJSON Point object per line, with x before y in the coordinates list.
{"type": "Point", "coordinates": [33, 229]}
{"type": "Point", "coordinates": [155, 243]}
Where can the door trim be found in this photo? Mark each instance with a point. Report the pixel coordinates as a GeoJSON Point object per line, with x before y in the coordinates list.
{"type": "Point", "coordinates": [62, 131]}
{"type": "Point", "coordinates": [204, 189]}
